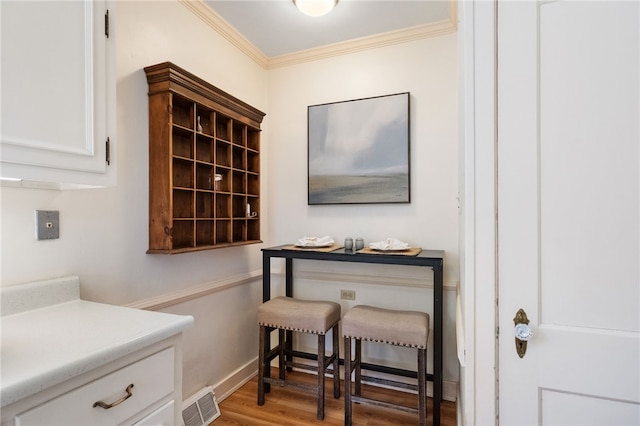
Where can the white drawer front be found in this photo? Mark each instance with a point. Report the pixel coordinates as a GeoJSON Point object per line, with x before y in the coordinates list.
{"type": "Point", "coordinates": [152, 379]}
{"type": "Point", "coordinates": [163, 416]}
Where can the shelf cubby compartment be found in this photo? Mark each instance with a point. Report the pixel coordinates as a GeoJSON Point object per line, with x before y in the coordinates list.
{"type": "Point", "coordinates": [223, 232]}
{"type": "Point", "coordinates": [253, 184]}
{"type": "Point", "coordinates": [253, 229]}
{"type": "Point", "coordinates": [239, 230]}
{"type": "Point", "coordinates": [253, 139]}
{"type": "Point", "coordinates": [204, 205]}
{"type": "Point", "coordinates": [182, 173]}
{"type": "Point", "coordinates": [204, 149]}
{"type": "Point", "coordinates": [223, 127]}
{"type": "Point", "coordinates": [253, 162]}
{"type": "Point", "coordinates": [182, 142]}
{"type": "Point", "coordinates": [223, 206]}
{"type": "Point", "coordinates": [204, 176]}
{"type": "Point", "coordinates": [198, 132]}
{"type": "Point", "coordinates": [182, 112]}
{"type": "Point", "coordinates": [205, 233]}
{"type": "Point", "coordinates": [182, 234]}
{"type": "Point", "coordinates": [206, 119]}
{"type": "Point", "coordinates": [183, 204]}
{"type": "Point", "coordinates": [223, 153]}
{"type": "Point", "coordinates": [239, 206]}
{"type": "Point", "coordinates": [239, 159]}
{"type": "Point", "coordinates": [239, 182]}
{"type": "Point", "coordinates": [254, 206]}
{"type": "Point", "coordinates": [224, 184]}
{"type": "Point", "coordinates": [239, 134]}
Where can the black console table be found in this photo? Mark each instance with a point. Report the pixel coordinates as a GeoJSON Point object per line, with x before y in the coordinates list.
{"type": "Point", "coordinates": [433, 259]}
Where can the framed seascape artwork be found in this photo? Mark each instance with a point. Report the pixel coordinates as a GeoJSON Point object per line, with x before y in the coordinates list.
{"type": "Point", "coordinates": [359, 151]}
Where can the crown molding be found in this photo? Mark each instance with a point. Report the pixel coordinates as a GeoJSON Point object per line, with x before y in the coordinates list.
{"type": "Point", "coordinates": [215, 21]}
{"type": "Point", "coordinates": [364, 43]}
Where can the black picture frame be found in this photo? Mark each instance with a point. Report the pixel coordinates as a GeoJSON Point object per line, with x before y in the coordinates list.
{"type": "Point", "coordinates": [358, 151]}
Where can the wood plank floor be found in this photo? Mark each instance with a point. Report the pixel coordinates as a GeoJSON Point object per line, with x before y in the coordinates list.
{"type": "Point", "coordinates": [288, 406]}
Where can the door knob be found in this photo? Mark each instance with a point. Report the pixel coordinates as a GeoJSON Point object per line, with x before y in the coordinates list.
{"type": "Point", "coordinates": [522, 331]}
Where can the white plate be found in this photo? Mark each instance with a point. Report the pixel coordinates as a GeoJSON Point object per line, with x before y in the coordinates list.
{"type": "Point", "coordinates": [313, 245]}
{"type": "Point", "coordinates": [315, 242]}
{"type": "Point", "coordinates": [390, 249]}
{"type": "Point", "coordinates": [390, 244]}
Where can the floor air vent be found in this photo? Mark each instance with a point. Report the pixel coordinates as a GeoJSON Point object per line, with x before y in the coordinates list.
{"type": "Point", "coordinates": [200, 409]}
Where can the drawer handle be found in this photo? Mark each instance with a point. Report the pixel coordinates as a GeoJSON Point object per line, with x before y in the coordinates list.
{"type": "Point", "coordinates": [113, 404]}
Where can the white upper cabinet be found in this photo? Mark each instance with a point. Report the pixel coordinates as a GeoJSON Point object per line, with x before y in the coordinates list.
{"type": "Point", "coordinates": [57, 112]}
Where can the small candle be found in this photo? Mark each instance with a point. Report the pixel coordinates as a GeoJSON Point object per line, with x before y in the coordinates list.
{"type": "Point", "coordinates": [348, 243]}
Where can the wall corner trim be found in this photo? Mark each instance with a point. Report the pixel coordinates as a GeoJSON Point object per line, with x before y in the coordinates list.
{"type": "Point", "coordinates": [194, 292]}
{"type": "Point", "coordinates": [222, 27]}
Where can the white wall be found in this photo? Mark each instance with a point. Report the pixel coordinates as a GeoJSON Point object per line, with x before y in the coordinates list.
{"type": "Point", "coordinates": [428, 70]}
{"type": "Point", "coordinates": [104, 232]}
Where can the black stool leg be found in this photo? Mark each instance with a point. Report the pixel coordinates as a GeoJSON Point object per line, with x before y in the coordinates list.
{"type": "Point", "coordinates": [336, 362]}
{"type": "Point", "coordinates": [282, 344]}
{"type": "Point", "coordinates": [321, 364]}
{"type": "Point", "coordinates": [357, 368]}
{"type": "Point", "coordinates": [261, 363]}
{"type": "Point", "coordinates": [289, 349]}
{"type": "Point", "coordinates": [422, 386]}
{"type": "Point", "coordinates": [347, 382]}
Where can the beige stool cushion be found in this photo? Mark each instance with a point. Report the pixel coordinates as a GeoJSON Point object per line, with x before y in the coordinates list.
{"type": "Point", "coordinates": [400, 328]}
{"type": "Point", "coordinates": [299, 315]}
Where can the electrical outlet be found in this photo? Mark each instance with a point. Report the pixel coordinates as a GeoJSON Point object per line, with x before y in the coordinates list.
{"type": "Point", "coordinates": [348, 294]}
{"type": "Point", "coordinates": [47, 224]}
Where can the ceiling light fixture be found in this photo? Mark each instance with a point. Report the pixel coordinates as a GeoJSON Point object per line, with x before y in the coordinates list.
{"type": "Point", "coordinates": [315, 8]}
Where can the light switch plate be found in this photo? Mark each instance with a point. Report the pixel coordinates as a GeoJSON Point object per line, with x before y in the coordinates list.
{"type": "Point", "coordinates": [47, 224]}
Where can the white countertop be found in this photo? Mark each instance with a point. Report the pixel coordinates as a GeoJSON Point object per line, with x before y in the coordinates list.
{"type": "Point", "coordinates": [51, 343]}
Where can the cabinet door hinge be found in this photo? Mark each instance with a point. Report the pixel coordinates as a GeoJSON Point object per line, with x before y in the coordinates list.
{"type": "Point", "coordinates": [108, 151]}
{"type": "Point", "coordinates": [106, 23]}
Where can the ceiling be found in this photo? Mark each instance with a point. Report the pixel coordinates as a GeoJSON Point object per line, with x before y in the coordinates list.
{"type": "Point", "coordinates": [277, 28]}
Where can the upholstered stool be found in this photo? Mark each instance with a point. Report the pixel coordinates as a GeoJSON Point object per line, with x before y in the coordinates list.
{"type": "Point", "coordinates": [289, 314]}
{"type": "Point", "coordinates": [400, 328]}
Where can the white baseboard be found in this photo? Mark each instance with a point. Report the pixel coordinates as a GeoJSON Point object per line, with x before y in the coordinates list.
{"type": "Point", "coordinates": [459, 412]}
{"type": "Point", "coordinates": [238, 378]}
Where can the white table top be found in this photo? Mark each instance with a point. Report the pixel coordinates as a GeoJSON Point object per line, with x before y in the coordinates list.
{"type": "Point", "coordinates": [48, 345]}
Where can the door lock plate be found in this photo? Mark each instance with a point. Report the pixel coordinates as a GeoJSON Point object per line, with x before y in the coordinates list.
{"type": "Point", "coordinates": [522, 331]}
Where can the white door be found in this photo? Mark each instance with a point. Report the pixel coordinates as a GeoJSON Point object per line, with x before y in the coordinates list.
{"type": "Point", "coordinates": [568, 211]}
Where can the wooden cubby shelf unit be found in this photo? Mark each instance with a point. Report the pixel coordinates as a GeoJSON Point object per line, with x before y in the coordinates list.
{"type": "Point", "coordinates": [204, 164]}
